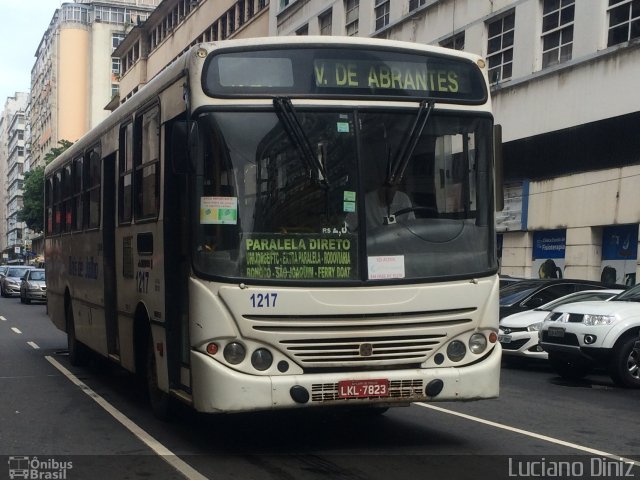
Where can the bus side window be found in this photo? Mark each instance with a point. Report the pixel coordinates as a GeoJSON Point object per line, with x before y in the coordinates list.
{"type": "Point", "coordinates": [147, 170]}
{"type": "Point", "coordinates": [125, 169]}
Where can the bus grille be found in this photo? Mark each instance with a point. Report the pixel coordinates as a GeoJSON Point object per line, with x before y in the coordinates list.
{"type": "Point", "coordinates": [360, 340]}
{"type": "Point", "coordinates": [324, 392]}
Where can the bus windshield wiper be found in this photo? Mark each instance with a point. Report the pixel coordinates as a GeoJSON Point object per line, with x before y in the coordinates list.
{"type": "Point", "coordinates": [396, 169]}
{"type": "Point", "coordinates": [291, 123]}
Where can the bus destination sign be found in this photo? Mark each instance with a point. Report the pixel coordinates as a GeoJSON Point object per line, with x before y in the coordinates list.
{"type": "Point", "coordinates": [300, 256]}
{"type": "Point", "coordinates": [348, 72]}
{"type": "Point", "coordinates": [385, 76]}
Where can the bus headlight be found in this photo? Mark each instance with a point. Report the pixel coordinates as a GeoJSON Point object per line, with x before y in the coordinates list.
{"type": "Point", "coordinates": [261, 359]}
{"type": "Point", "coordinates": [234, 353]}
{"type": "Point", "coordinates": [477, 343]}
{"type": "Point", "coordinates": [456, 351]}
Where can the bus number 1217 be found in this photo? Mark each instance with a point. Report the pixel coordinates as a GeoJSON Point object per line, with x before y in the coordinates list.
{"type": "Point", "coordinates": [263, 300]}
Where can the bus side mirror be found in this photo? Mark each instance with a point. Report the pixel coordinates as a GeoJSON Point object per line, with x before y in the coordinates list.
{"type": "Point", "coordinates": [179, 148]}
{"type": "Point", "coordinates": [498, 166]}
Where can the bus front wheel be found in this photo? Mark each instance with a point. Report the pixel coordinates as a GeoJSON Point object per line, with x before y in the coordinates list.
{"type": "Point", "coordinates": [159, 400]}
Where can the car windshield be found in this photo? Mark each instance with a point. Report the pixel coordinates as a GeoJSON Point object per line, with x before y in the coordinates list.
{"type": "Point", "coordinates": [36, 276]}
{"type": "Point", "coordinates": [576, 297]}
{"type": "Point", "coordinates": [309, 195]}
{"type": "Point", "coordinates": [16, 272]}
{"type": "Point", "coordinates": [631, 295]}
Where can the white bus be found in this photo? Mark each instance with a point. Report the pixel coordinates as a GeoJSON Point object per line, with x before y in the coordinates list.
{"type": "Point", "coordinates": [286, 222]}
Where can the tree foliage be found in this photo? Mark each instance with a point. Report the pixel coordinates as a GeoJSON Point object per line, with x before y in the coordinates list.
{"type": "Point", "coordinates": [32, 212]}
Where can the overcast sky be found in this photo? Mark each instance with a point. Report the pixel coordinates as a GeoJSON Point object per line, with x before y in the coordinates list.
{"type": "Point", "coordinates": [22, 25]}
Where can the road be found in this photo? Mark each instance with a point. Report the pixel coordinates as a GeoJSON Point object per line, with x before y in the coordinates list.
{"type": "Point", "coordinates": [91, 422]}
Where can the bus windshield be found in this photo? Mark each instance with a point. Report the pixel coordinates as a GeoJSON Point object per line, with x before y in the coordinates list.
{"type": "Point", "coordinates": [311, 194]}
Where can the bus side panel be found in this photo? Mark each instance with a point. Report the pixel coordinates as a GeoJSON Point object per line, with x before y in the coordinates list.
{"type": "Point", "coordinates": [86, 281]}
{"type": "Point", "coordinates": [56, 282]}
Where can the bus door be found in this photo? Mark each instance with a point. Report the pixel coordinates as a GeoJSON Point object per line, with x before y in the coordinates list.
{"type": "Point", "coordinates": [176, 247]}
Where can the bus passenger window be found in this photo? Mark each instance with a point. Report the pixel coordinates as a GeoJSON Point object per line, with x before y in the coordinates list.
{"type": "Point", "coordinates": [147, 181]}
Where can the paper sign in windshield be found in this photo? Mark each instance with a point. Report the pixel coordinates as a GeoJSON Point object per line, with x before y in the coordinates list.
{"type": "Point", "coordinates": [219, 210]}
{"type": "Point", "coordinates": [385, 267]}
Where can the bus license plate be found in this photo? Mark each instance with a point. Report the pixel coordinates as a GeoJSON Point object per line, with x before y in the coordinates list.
{"type": "Point", "coordinates": [556, 332]}
{"type": "Point", "coordinates": [504, 338]}
{"type": "Point", "coordinates": [363, 388]}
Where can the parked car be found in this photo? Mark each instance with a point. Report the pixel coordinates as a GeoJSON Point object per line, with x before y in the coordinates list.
{"type": "Point", "coordinates": [579, 336]}
{"type": "Point", "coordinates": [3, 270]}
{"type": "Point", "coordinates": [533, 293]}
{"type": "Point", "coordinates": [518, 333]}
{"type": "Point", "coordinates": [33, 286]}
{"type": "Point", "coordinates": [10, 283]}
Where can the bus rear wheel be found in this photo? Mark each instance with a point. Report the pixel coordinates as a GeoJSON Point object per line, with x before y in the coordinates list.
{"type": "Point", "coordinates": [78, 353]}
{"type": "Point", "coordinates": [160, 401]}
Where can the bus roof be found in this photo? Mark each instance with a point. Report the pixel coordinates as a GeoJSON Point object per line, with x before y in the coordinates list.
{"type": "Point", "coordinates": [179, 67]}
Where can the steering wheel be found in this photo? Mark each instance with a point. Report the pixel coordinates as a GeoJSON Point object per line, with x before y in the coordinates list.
{"type": "Point", "coordinates": [428, 212]}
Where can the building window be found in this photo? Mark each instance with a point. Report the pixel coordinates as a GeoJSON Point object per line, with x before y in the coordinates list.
{"type": "Point", "coordinates": [116, 39]}
{"type": "Point", "coordinates": [304, 30]}
{"type": "Point", "coordinates": [352, 9]}
{"type": "Point", "coordinates": [557, 31]}
{"type": "Point", "coordinates": [241, 13]}
{"type": "Point", "coordinates": [382, 13]}
{"type": "Point", "coordinates": [223, 28]}
{"type": "Point", "coordinates": [500, 48]}
{"type": "Point", "coordinates": [414, 4]}
{"type": "Point", "coordinates": [456, 42]}
{"type": "Point", "coordinates": [624, 21]}
{"type": "Point", "coordinates": [325, 23]}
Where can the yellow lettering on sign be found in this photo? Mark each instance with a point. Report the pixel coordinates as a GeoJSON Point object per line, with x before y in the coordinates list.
{"type": "Point", "coordinates": [442, 82]}
{"type": "Point", "coordinates": [373, 78]}
{"type": "Point", "coordinates": [396, 78]}
{"type": "Point", "coordinates": [320, 80]}
{"type": "Point", "coordinates": [421, 80]}
{"type": "Point", "coordinates": [453, 82]}
{"type": "Point", "coordinates": [341, 74]}
{"type": "Point", "coordinates": [385, 77]}
{"type": "Point", "coordinates": [408, 81]}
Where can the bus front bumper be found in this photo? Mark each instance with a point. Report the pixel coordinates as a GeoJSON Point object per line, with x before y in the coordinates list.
{"type": "Point", "coordinates": [217, 388]}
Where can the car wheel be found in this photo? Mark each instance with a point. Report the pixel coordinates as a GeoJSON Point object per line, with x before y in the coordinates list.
{"type": "Point", "coordinates": [569, 368]}
{"type": "Point", "coordinates": [624, 364]}
{"type": "Point", "coordinates": [78, 353]}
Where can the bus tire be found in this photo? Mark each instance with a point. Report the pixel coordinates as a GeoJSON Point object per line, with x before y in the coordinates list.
{"type": "Point", "coordinates": [160, 401]}
{"type": "Point", "coordinates": [78, 353]}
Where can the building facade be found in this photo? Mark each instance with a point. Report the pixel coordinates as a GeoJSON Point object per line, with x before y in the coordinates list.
{"type": "Point", "coordinates": [74, 75]}
{"type": "Point", "coordinates": [175, 26]}
{"type": "Point", "coordinates": [563, 83]}
{"type": "Point", "coordinates": [13, 150]}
